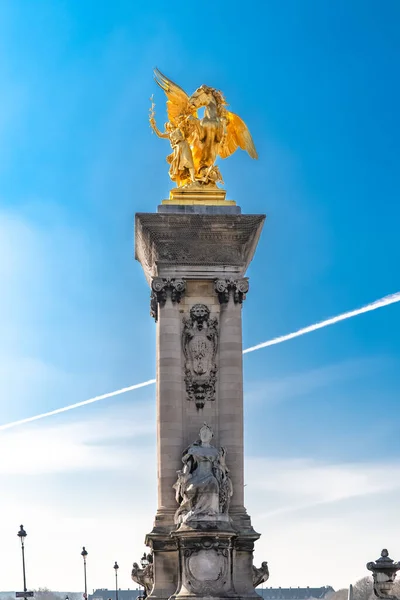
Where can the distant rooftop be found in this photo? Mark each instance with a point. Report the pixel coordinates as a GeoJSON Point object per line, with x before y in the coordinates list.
{"type": "Point", "coordinates": [295, 593]}
{"type": "Point", "coordinates": [105, 594]}
{"type": "Point", "coordinates": [307, 593]}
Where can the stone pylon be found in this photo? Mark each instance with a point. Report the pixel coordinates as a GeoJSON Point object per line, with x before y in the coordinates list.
{"type": "Point", "coordinates": [195, 255]}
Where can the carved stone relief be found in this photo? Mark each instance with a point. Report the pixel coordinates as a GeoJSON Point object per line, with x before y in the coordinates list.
{"type": "Point", "coordinates": [237, 288]}
{"type": "Point", "coordinates": [144, 576]}
{"type": "Point", "coordinates": [199, 344]}
{"type": "Point", "coordinates": [260, 575]}
{"type": "Point", "coordinates": [203, 488]}
{"type": "Point", "coordinates": [206, 566]}
{"type": "Point", "coordinates": [161, 288]}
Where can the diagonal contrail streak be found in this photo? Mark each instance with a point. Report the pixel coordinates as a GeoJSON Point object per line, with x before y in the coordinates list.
{"type": "Point", "coordinates": [385, 301]}
{"type": "Point", "coordinates": [57, 411]}
{"type": "Point", "coordinates": [391, 299]}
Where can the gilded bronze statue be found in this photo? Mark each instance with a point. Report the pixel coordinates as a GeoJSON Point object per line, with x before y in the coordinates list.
{"type": "Point", "coordinates": [198, 142]}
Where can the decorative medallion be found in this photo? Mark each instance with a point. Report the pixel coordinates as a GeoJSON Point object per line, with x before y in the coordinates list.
{"type": "Point", "coordinates": [161, 288]}
{"type": "Point", "coordinates": [206, 566]}
{"type": "Point", "coordinates": [199, 343]}
{"type": "Point", "coordinates": [237, 288]}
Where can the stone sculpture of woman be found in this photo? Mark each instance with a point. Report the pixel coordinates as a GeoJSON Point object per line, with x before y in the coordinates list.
{"type": "Point", "coordinates": [204, 488]}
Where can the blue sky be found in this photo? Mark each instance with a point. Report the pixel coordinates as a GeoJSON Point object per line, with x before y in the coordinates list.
{"type": "Point", "coordinates": [317, 84]}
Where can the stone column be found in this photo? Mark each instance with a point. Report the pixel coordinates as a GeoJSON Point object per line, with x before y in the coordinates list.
{"type": "Point", "coordinates": [199, 254]}
{"type": "Point", "coordinates": [169, 408]}
{"type": "Point", "coordinates": [165, 300]}
{"type": "Point", "coordinates": [231, 396]}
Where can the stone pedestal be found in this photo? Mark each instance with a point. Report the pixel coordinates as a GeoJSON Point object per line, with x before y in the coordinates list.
{"type": "Point", "coordinates": [206, 560]}
{"type": "Point", "coordinates": [195, 258]}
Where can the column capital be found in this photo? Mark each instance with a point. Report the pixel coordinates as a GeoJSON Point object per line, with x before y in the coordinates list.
{"type": "Point", "coordinates": [235, 288]}
{"type": "Point", "coordinates": [161, 289]}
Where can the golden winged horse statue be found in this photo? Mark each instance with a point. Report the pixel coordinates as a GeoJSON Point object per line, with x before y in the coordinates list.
{"type": "Point", "coordinates": [197, 142]}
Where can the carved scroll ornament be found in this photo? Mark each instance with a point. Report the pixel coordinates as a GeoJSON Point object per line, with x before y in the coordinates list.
{"type": "Point", "coordinates": [199, 342]}
{"type": "Point", "coordinates": [237, 288]}
{"type": "Point", "coordinates": [161, 289]}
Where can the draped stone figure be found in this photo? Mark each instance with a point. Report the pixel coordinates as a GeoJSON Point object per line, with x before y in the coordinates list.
{"type": "Point", "coordinates": [203, 488]}
{"type": "Point", "coordinates": [199, 344]}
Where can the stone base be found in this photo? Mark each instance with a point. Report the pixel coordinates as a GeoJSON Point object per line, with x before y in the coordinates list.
{"type": "Point", "coordinates": [203, 560]}
{"type": "Point", "coordinates": [222, 208]}
{"type": "Point", "coordinates": [165, 564]}
{"type": "Point", "coordinates": [208, 565]}
{"type": "Point", "coordinates": [205, 564]}
{"type": "Point", "coordinates": [198, 195]}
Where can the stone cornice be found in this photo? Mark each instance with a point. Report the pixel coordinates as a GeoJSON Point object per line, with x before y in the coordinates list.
{"type": "Point", "coordinates": [202, 244]}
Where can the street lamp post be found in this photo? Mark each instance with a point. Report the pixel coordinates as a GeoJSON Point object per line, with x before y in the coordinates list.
{"type": "Point", "coordinates": [384, 571]}
{"type": "Point", "coordinates": [116, 567]}
{"type": "Point", "coordinates": [84, 555]}
{"type": "Point", "coordinates": [22, 535]}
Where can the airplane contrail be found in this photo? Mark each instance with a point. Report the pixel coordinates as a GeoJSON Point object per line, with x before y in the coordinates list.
{"type": "Point", "coordinates": [57, 411]}
{"type": "Point", "coordinates": [385, 301]}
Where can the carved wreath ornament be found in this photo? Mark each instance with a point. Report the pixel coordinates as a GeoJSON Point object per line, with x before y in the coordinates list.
{"type": "Point", "coordinates": [199, 342]}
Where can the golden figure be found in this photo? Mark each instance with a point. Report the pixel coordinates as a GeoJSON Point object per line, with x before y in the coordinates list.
{"type": "Point", "coordinates": [181, 168]}
{"type": "Point", "coordinates": [197, 143]}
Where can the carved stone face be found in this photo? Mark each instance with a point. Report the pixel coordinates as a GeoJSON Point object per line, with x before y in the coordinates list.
{"type": "Point", "coordinates": [206, 434]}
{"type": "Point", "coordinates": [200, 313]}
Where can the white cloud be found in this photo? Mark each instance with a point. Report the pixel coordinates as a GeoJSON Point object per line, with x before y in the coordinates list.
{"type": "Point", "coordinates": [321, 522]}
{"type": "Point", "coordinates": [295, 484]}
{"type": "Point", "coordinates": [304, 383]}
{"type": "Point", "coordinates": [329, 545]}
{"type": "Point", "coordinates": [90, 444]}
{"type": "Point", "coordinates": [86, 482]}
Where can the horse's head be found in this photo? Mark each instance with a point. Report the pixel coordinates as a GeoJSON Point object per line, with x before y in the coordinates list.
{"type": "Point", "coordinates": [203, 96]}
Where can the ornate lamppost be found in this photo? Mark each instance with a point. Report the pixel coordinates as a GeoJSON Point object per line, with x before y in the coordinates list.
{"type": "Point", "coordinates": [84, 555]}
{"type": "Point", "coordinates": [116, 567]}
{"type": "Point", "coordinates": [384, 571]}
{"type": "Point", "coordinates": [22, 535]}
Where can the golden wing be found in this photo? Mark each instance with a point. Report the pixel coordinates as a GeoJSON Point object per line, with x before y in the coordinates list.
{"type": "Point", "coordinates": [237, 136]}
{"type": "Point", "coordinates": [177, 103]}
